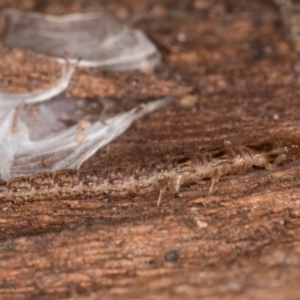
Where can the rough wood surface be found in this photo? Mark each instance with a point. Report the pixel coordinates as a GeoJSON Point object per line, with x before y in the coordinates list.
{"type": "Point", "coordinates": [236, 77]}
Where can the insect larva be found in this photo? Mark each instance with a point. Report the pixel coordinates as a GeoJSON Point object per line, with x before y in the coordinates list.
{"type": "Point", "coordinates": [170, 173]}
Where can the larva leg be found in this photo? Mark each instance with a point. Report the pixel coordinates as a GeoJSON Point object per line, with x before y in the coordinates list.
{"type": "Point", "coordinates": [263, 162]}
{"type": "Point", "coordinates": [217, 173]}
{"type": "Point", "coordinates": [163, 182]}
{"type": "Point", "coordinates": [214, 180]}
{"type": "Point", "coordinates": [160, 196]}
{"type": "Point", "coordinates": [279, 159]}
{"type": "Point", "coordinates": [267, 165]}
{"type": "Point", "coordinates": [175, 183]}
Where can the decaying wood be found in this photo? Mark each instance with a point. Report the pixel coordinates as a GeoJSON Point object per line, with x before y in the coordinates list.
{"type": "Point", "coordinates": [234, 58]}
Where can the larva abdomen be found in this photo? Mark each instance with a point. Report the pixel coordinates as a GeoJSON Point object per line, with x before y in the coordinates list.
{"type": "Point", "coordinates": [61, 184]}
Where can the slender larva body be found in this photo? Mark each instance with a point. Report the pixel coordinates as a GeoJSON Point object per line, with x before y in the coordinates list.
{"type": "Point", "coordinates": [168, 173]}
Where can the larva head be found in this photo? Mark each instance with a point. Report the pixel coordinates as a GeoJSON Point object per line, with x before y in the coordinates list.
{"type": "Point", "coordinates": [290, 146]}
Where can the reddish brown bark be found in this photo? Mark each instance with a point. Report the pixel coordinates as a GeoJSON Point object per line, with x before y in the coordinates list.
{"type": "Point", "coordinates": [240, 243]}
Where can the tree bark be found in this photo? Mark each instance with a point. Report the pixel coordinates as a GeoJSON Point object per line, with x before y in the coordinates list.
{"type": "Point", "coordinates": [235, 76]}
